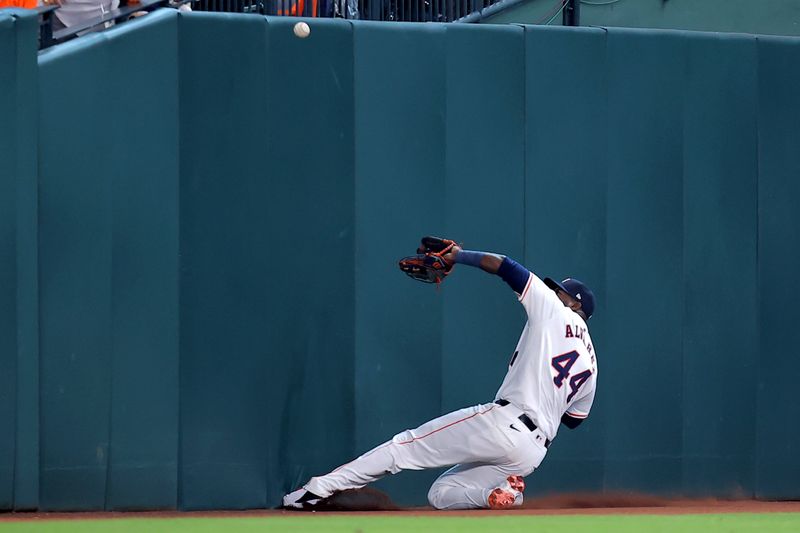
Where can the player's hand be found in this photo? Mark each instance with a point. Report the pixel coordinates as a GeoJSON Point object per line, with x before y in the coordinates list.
{"type": "Point", "coordinates": [450, 256]}
{"type": "Point", "coordinates": [444, 248]}
{"type": "Point", "coordinates": [434, 260]}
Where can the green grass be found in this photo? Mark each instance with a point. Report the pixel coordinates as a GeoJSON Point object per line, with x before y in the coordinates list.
{"type": "Point", "coordinates": [711, 523]}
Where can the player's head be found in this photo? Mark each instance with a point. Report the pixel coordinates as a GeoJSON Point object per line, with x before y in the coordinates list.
{"type": "Point", "coordinates": [575, 295]}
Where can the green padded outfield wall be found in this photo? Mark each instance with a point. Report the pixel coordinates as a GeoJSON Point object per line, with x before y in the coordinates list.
{"type": "Point", "coordinates": [219, 315]}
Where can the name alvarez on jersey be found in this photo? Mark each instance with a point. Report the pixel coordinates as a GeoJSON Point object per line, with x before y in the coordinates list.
{"type": "Point", "coordinates": [580, 332]}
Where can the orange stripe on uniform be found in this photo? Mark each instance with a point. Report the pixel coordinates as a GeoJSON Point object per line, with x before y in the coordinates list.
{"type": "Point", "coordinates": [416, 438]}
{"type": "Point", "coordinates": [447, 426]}
{"type": "Point", "coordinates": [384, 445]}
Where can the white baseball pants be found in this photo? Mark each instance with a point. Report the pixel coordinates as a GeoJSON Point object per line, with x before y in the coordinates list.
{"type": "Point", "coordinates": [487, 443]}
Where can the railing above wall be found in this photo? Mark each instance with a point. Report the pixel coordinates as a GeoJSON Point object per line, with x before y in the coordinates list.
{"type": "Point", "coordinates": [383, 10]}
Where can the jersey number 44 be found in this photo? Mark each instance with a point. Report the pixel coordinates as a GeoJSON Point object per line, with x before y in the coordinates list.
{"type": "Point", "coordinates": [563, 365]}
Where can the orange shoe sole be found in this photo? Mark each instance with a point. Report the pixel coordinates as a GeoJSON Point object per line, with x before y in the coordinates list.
{"type": "Point", "coordinates": [500, 499]}
{"type": "Point", "coordinates": [517, 483]}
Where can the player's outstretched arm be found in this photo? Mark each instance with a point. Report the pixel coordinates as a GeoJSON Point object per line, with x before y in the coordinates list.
{"type": "Point", "coordinates": [509, 270]}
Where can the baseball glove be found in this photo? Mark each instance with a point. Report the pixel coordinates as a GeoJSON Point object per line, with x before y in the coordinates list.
{"type": "Point", "coordinates": [429, 265]}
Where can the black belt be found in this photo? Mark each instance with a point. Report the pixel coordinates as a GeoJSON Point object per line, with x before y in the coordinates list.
{"type": "Point", "coordinates": [524, 419]}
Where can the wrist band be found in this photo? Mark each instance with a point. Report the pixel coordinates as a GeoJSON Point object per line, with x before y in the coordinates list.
{"type": "Point", "coordinates": [468, 257]}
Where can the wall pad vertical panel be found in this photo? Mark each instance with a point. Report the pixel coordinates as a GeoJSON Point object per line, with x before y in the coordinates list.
{"type": "Point", "coordinates": [644, 257]}
{"type": "Point", "coordinates": [8, 261]}
{"type": "Point", "coordinates": [225, 246]}
{"type": "Point", "coordinates": [566, 126]}
{"type": "Point", "coordinates": [399, 150]}
{"type": "Point", "coordinates": [778, 460]}
{"type": "Point", "coordinates": [26, 467]}
{"type": "Point", "coordinates": [720, 171]}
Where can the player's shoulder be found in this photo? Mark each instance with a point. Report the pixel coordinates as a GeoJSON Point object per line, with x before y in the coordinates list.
{"type": "Point", "coordinates": [535, 289]}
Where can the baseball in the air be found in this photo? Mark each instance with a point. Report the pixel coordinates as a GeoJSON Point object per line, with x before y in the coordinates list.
{"type": "Point", "coordinates": [302, 30]}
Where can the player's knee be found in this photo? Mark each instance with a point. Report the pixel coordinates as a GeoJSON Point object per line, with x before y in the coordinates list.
{"type": "Point", "coordinates": [403, 437]}
{"type": "Point", "coordinates": [436, 495]}
{"type": "Point", "coordinates": [434, 498]}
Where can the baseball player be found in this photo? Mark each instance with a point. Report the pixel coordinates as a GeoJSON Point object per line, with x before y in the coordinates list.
{"type": "Point", "coordinates": [551, 380]}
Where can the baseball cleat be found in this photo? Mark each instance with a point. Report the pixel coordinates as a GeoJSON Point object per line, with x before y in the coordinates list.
{"type": "Point", "coordinates": [501, 499]}
{"type": "Point", "coordinates": [517, 483]}
{"type": "Point", "coordinates": [300, 499]}
{"type": "Point", "coordinates": [507, 494]}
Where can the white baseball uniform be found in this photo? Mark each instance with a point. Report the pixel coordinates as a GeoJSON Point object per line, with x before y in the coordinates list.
{"type": "Point", "coordinates": [553, 371]}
